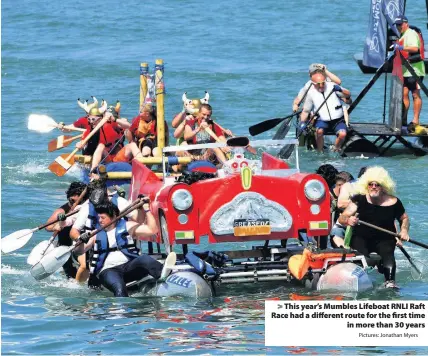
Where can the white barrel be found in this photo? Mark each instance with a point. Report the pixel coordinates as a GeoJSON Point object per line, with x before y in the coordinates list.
{"type": "Point", "coordinates": [184, 283]}
{"type": "Point", "coordinates": [345, 277]}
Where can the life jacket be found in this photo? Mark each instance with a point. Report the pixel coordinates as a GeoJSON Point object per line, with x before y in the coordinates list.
{"type": "Point", "coordinates": [101, 249]}
{"type": "Point", "coordinates": [332, 109]}
{"type": "Point", "coordinates": [113, 147]}
{"type": "Point", "coordinates": [299, 264]}
{"type": "Point", "coordinates": [202, 136]}
{"type": "Point", "coordinates": [92, 220]}
{"type": "Point", "coordinates": [146, 129]}
{"type": "Point", "coordinates": [416, 57]}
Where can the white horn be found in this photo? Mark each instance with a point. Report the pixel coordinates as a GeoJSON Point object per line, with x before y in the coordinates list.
{"type": "Point", "coordinates": [84, 105]}
{"type": "Point", "coordinates": [94, 104]}
{"type": "Point", "coordinates": [205, 98]}
{"type": "Point", "coordinates": [184, 97]}
{"type": "Point", "coordinates": [103, 107]}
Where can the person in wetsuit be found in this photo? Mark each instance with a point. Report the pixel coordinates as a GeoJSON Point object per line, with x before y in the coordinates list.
{"type": "Point", "coordinates": [377, 205]}
{"type": "Point", "coordinates": [63, 227]}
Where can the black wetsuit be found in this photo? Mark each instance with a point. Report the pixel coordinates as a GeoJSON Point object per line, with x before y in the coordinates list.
{"type": "Point", "coordinates": [65, 240]}
{"type": "Point", "coordinates": [366, 239]}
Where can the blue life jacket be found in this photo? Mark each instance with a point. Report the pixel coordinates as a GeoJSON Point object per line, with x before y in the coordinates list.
{"type": "Point", "coordinates": [93, 216]}
{"type": "Point", "coordinates": [101, 248]}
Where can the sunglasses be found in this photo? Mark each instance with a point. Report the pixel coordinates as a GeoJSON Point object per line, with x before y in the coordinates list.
{"type": "Point", "coordinates": [318, 83]}
{"type": "Point", "coordinates": [93, 118]}
{"type": "Point", "coordinates": [374, 185]}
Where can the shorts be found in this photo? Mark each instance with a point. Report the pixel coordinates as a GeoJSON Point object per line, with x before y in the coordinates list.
{"type": "Point", "coordinates": [411, 83]}
{"type": "Point", "coordinates": [333, 125]}
{"type": "Point", "coordinates": [338, 230]}
{"type": "Point", "coordinates": [148, 142]}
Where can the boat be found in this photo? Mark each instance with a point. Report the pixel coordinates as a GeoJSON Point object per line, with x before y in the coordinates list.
{"type": "Point", "coordinates": [358, 57]}
{"type": "Point", "coordinates": [239, 204]}
{"type": "Point", "coordinates": [252, 201]}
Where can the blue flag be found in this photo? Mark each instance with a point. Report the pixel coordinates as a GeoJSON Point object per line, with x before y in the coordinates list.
{"type": "Point", "coordinates": [382, 12]}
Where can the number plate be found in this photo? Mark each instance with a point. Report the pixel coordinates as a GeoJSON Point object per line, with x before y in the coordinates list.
{"type": "Point", "coordinates": [249, 227]}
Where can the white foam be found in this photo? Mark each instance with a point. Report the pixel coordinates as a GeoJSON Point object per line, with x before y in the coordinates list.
{"type": "Point", "coordinates": [5, 269]}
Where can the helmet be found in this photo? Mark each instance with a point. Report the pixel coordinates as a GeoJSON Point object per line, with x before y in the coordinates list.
{"type": "Point", "coordinates": [75, 188]}
{"type": "Point", "coordinates": [114, 109]}
{"type": "Point", "coordinates": [95, 112]}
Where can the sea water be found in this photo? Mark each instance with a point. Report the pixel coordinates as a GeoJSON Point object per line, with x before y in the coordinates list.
{"type": "Point", "coordinates": [252, 57]}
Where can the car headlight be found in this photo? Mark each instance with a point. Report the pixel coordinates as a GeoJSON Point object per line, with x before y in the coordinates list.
{"type": "Point", "coordinates": [182, 199]}
{"type": "Point", "coordinates": [314, 190]}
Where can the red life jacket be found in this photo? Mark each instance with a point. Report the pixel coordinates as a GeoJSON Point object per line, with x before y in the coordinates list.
{"type": "Point", "coordinates": [416, 57]}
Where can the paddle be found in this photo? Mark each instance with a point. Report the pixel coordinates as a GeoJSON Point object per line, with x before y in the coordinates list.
{"type": "Point", "coordinates": [287, 150]}
{"type": "Point", "coordinates": [418, 243]}
{"type": "Point", "coordinates": [55, 259]}
{"type": "Point", "coordinates": [40, 250]}
{"type": "Point", "coordinates": [44, 124]}
{"type": "Point", "coordinates": [285, 127]}
{"type": "Point", "coordinates": [394, 234]}
{"type": "Point", "coordinates": [63, 163]}
{"type": "Point", "coordinates": [269, 124]}
{"type": "Point", "coordinates": [417, 266]}
{"type": "Point", "coordinates": [215, 137]}
{"type": "Point", "coordinates": [61, 142]}
{"type": "Point", "coordinates": [20, 238]}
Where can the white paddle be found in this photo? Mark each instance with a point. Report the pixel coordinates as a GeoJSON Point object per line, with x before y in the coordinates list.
{"type": "Point", "coordinates": [55, 259]}
{"type": "Point", "coordinates": [39, 251]}
{"type": "Point", "coordinates": [44, 124]}
{"type": "Point", "coordinates": [19, 239]}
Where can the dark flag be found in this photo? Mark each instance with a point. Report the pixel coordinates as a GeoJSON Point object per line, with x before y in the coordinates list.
{"type": "Point", "coordinates": [381, 13]}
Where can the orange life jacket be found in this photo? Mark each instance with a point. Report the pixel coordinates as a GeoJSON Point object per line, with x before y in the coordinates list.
{"type": "Point", "coordinates": [146, 129]}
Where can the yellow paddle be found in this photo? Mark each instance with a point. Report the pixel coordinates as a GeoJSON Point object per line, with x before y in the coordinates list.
{"type": "Point", "coordinates": [63, 163]}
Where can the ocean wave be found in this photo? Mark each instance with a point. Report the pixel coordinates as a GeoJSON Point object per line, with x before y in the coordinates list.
{"type": "Point", "coordinates": [6, 269]}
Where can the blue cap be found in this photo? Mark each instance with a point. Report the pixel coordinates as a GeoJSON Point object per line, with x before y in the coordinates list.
{"type": "Point", "coordinates": [400, 19]}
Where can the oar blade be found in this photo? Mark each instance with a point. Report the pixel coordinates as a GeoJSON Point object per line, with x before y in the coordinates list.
{"type": "Point", "coordinates": [264, 126]}
{"type": "Point", "coordinates": [417, 269]}
{"type": "Point", "coordinates": [58, 143]}
{"type": "Point", "coordinates": [50, 263]}
{"type": "Point", "coordinates": [15, 240]}
{"type": "Point", "coordinates": [38, 252]}
{"type": "Point", "coordinates": [61, 165]}
{"type": "Point", "coordinates": [238, 141]}
{"type": "Point", "coordinates": [41, 123]}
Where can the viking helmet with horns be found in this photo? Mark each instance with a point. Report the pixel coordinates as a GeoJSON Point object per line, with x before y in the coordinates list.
{"type": "Point", "coordinates": [115, 110]}
{"type": "Point", "coordinates": [92, 109]}
{"type": "Point", "coordinates": [192, 105]}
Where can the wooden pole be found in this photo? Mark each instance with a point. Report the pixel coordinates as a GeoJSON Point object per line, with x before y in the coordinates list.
{"type": "Point", "coordinates": [160, 97]}
{"type": "Point", "coordinates": [144, 71]}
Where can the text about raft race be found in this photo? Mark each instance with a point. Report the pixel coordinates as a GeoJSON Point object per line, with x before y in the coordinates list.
{"type": "Point", "coordinates": [346, 323]}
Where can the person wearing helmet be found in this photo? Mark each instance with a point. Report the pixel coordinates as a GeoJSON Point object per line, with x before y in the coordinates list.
{"type": "Point", "coordinates": [109, 139]}
{"type": "Point", "coordinates": [63, 226]}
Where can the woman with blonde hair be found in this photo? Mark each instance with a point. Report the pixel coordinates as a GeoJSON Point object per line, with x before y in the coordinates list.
{"type": "Point", "coordinates": [376, 204]}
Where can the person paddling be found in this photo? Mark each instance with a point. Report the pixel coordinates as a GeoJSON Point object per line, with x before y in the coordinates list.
{"type": "Point", "coordinates": [63, 227]}
{"type": "Point", "coordinates": [377, 205]}
{"type": "Point", "coordinates": [115, 257]}
{"type": "Point", "coordinates": [87, 218]}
